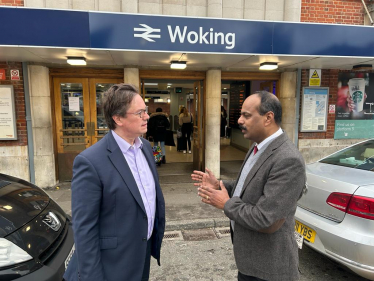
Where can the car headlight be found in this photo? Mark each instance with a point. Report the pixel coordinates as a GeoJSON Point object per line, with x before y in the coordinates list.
{"type": "Point", "coordinates": [10, 253]}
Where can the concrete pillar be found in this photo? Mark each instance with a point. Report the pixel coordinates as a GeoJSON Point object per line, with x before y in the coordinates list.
{"type": "Point", "coordinates": [214, 8]}
{"type": "Point", "coordinates": [254, 9]}
{"type": "Point", "coordinates": [287, 98]}
{"type": "Point", "coordinates": [131, 76]}
{"type": "Point", "coordinates": [292, 10]}
{"type": "Point", "coordinates": [130, 6]}
{"type": "Point", "coordinates": [212, 121]}
{"type": "Point", "coordinates": [274, 10]}
{"type": "Point", "coordinates": [41, 116]}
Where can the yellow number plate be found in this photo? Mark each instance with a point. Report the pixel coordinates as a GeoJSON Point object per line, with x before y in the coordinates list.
{"type": "Point", "coordinates": [308, 233]}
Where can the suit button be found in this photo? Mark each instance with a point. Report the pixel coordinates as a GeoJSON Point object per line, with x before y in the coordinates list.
{"type": "Point", "coordinates": [145, 217]}
{"type": "Point", "coordinates": [144, 239]}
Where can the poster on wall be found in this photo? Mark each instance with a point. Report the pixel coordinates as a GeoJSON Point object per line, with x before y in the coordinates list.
{"type": "Point", "coordinates": [354, 116]}
{"type": "Point", "coordinates": [314, 109]}
{"type": "Point", "coordinates": [8, 128]}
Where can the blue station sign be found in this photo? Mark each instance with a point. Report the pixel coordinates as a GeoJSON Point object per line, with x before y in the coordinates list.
{"type": "Point", "coordinates": [118, 31]}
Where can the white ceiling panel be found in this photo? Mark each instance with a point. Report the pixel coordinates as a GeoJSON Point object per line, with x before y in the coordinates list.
{"type": "Point", "coordinates": [18, 54]}
{"type": "Point", "coordinates": [161, 60]}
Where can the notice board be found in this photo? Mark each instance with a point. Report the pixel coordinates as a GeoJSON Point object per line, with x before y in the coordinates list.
{"type": "Point", "coordinates": [314, 109]}
{"type": "Point", "coordinates": [8, 127]}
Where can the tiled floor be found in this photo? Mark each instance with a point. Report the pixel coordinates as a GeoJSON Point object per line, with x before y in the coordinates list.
{"type": "Point", "coordinates": [228, 153]}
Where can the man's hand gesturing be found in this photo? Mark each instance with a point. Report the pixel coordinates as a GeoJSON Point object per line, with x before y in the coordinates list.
{"type": "Point", "coordinates": [205, 179]}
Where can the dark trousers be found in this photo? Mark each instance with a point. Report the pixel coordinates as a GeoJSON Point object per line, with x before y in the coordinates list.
{"type": "Point", "coordinates": [242, 277]}
{"type": "Point", "coordinates": [186, 133]}
{"type": "Point", "coordinates": [147, 263]}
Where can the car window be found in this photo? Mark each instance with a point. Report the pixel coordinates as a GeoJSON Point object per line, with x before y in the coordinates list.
{"type": "Point", "coordinates": [359, 156]}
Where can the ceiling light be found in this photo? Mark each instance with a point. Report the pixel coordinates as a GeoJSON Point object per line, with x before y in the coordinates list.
{"type": "Point", "coordinates": [168, 100]}
{"type": "Point", "coordinates": [76, 61]}
{"type": "Point", "coordinates": [151, 84]}
{"type": "Point", "coordinates": [178, 64]}
{"type": "Point", "coordinates": [362, 67]}
{"type": "Point", "coordinates": [268, 65]}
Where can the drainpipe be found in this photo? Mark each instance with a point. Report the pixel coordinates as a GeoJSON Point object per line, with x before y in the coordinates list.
{"type": "Point", "coordinates": [30, 140]}
{"type": "Point", "coordinates": [367, 11]}
{"type": "Point", "coordinates": [298, 89]}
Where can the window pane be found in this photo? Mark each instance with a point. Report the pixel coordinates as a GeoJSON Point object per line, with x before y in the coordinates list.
{"type": "Point", "coordinates": [101, 125]}
{"type": "Point", "coordinates": [73, 123]}
{"type": "Point", "coordinates": [360, 156]}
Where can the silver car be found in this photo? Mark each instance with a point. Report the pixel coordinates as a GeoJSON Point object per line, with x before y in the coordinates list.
{"type": "Point", "coordinates": [335, 215]}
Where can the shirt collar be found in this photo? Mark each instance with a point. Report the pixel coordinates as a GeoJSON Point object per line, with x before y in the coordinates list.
{"type": "Point", "coordinates": [124, 145]}
{"type": "Point", "coordinates": [269, 139]}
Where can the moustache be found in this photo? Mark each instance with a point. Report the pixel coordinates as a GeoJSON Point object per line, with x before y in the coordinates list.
{"type": "Point", "coordinates": [242, 128]}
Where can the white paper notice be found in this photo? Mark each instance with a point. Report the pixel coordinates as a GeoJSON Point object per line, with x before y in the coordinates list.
{"type": "Point", "coordinates": [73, 103]}
{"type": "Point", "coordinates": [7, 115]}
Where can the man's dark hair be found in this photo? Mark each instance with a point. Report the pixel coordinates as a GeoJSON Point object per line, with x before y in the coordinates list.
{"type": "Point", "coordinates": [116, 101]}
{"type": "Point", "coordinates": [270, 102]}
{"type": "Point", "coordinates": [158, 109]}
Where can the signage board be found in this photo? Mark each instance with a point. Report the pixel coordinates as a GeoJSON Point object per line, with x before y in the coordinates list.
{"type": "Point", "coordinates": [314, 109]}
{"type": "Point", "coordinates": [354, 116]}
{"type": "Point", "coordinates": [2, 74]}
{"type": "Point", "coordinates": [163, 33]}
{"type": "Point", "coordinates": [14, 74]}
{"type": "Point", "coordinates": [8, 127]}
{"type": "Point", "coordinates": [315, 77]}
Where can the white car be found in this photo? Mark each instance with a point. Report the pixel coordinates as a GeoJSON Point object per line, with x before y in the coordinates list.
{"type": "Point", "coordinates": [335, 215]}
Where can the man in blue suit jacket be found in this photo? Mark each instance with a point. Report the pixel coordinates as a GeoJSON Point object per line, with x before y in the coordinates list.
{"type": "Point", "coordinates": [117, 204]}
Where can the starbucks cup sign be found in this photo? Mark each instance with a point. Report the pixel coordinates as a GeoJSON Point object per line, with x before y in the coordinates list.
{"type": "Point", "coordinates": [357, 92]}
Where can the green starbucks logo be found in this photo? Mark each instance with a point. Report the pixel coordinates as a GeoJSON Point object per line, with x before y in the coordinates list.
{"type": "Point", "coordinates": [357, 96]}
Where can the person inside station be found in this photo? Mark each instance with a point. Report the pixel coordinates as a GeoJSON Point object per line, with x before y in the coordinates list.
{"type": "Point", "coordinates": [157, 125]}
{"type": "Point", "coordinates": [186, 121]}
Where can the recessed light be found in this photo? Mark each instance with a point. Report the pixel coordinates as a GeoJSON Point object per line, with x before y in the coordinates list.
{"type": "Point", "coordinates": [178, 64]}
{"type": "Point", "coordinates": [76, 60]}
{"type": "Point", "coordinates": [268, 65]}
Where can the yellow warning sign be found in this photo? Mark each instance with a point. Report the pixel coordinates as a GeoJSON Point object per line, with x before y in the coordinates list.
{"type": "Point", "coordinates": [315, 74]}
{"type": "Point", "coordinates": [315, 77]}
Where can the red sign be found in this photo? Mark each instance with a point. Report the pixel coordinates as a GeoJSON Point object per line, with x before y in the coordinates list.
{"type": "Point", "coordinates": [14, 74]}
{"type": "Point", "coordinates": [2, 74]}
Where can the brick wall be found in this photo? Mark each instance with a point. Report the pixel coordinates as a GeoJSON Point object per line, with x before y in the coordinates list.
{"type": "Point", "coordinates": [19, 103]}
{"type": "Point", "coordinates": [12, 3]}
{"type": "Point", "coordinates": [333, 11]}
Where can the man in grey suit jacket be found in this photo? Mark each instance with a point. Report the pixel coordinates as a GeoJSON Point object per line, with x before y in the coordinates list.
{"type": "Point", "coordinates": [261, 203]}
{"type": "Point", "coordinates": [117, 204]}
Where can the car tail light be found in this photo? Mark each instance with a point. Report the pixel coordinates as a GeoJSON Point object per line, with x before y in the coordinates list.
{"type": "Point", "coordinates": [361, 207]}
{"type": "Point", "coordinates": [339, 201]}
{"type": "Point", "coordinates": [354, 205]}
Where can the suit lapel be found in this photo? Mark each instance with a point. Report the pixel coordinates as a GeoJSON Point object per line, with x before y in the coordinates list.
{"type": "Point", "coordinates": [263, 157]}
{"type": "Point", "coordinates": [119, 162]}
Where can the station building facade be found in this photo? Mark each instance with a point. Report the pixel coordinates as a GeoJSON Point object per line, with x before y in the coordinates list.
{"type": "Point", "coordinates": [266, 31]}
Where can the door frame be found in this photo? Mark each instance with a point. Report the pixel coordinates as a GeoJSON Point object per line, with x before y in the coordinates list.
{"type": "Point", "coordinates": [72, 73]}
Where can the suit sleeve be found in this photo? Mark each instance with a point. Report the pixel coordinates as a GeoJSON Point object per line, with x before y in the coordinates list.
{"type": "Point", "coordinates": [86, 200]}
{"type": "Point", "coordinates": [229, 185]}
{"type": "Point", "coordinates": [280, 194]}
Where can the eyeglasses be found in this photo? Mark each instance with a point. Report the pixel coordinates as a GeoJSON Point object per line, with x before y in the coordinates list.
{"type": "Point", "coordinates": [140, 113]}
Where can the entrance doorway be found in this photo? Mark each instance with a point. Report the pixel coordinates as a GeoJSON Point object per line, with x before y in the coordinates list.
{"type": "Point", "coordinates": [233, 94]}
{"type": "Point", "coordinates": [171, 95]}
{"type": "Point", "coordinates": [79, 119]}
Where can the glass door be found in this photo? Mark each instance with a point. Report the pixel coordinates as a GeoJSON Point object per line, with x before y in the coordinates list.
{"type": "Point", "coordinates": [98, 125]}
{"type": "Point", "coordinates": [79, 118]}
